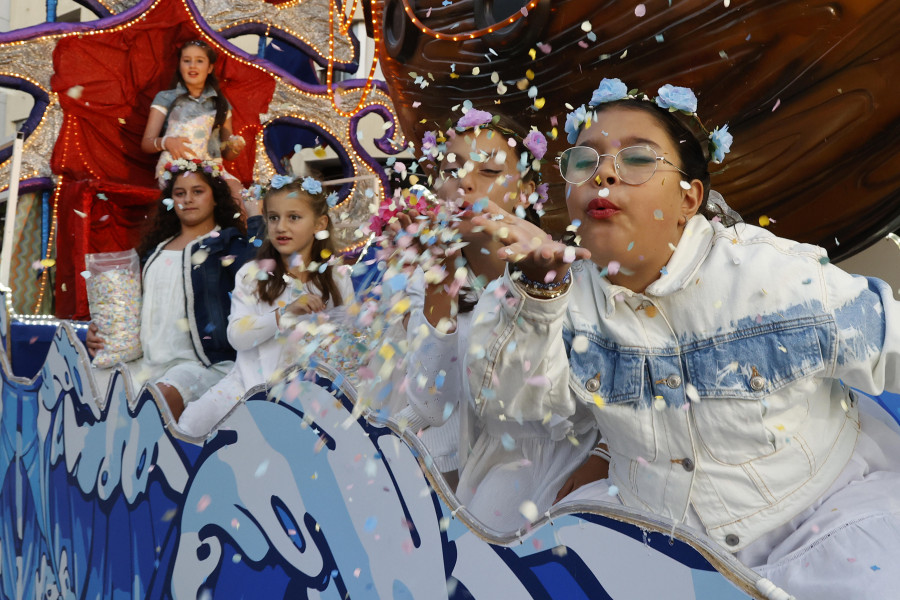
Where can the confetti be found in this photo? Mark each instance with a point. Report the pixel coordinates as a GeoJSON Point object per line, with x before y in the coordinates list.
{"type": "Point", "coordinates": [114, 297]}
{"type": "Point", "coordinates": [640, 10]}
{"type": "Point", "coordinates": [203, 503]}
{"type": "Point", "coordinates": [580, 344]}
{"type": "Point", "coordinates": [529, 510]}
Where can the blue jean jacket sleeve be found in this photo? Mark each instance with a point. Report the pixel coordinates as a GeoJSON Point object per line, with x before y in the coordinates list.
{"type": "Point", "coordinates": [867, 320]}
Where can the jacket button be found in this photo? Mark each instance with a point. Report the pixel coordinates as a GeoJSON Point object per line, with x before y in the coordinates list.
{"type": "Point", "coordinates": [673, 381]}
{"type": "Point", "coordinates": [757, 383]}
{"type": "Point", "coordinates": [732, 540]}
{"type": "Point", "coordinates": [592, 384]}
{"type": "Point", "coordinates": [688, 464]}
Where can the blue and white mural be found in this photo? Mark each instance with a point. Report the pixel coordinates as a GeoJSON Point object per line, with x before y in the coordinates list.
{"type": "Point", "coordinates": [292, 497]}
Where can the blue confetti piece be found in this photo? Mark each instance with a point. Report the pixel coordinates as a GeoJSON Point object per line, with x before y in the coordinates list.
{"type": "Point", "coordinates": [448, 410]}
{"type": "Point", "coordinates": [508, 442]}
{"type": "Point", "coordinates": [439, 379]}
{"type": "Point", "coordinates": [257, 243]}
{"type": "Point", "coordinates": [371, 522]}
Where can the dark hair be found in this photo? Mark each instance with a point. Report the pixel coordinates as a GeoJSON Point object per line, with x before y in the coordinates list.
{"type": "Point", "coordinates": [269, 289]}
{"type": "Point", "coordinates": [165, 224]}
{"type": "Point", "coordinates": [211, 80]}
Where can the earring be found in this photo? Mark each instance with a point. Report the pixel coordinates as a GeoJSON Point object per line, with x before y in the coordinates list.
{"type": "Point", "coordinates": [682, 220]}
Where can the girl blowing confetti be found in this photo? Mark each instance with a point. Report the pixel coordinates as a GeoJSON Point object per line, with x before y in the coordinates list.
{"type": "Point", "coordinates": [717, 360]}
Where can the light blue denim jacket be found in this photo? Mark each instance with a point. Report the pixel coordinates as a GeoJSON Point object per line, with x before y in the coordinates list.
{"type": "Point", "coordinates": [719, 387]}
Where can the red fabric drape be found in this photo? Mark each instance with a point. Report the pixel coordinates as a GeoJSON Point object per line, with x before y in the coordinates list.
{"type": "Point", "coordinates": [98, 150]}
{"type": "Point", "coordinates": [108, 225]}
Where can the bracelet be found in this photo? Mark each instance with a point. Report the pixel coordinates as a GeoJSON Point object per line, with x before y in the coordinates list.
{"type": "Point", "coordinates": [545, 286]}
{"type": "Point", "coordinates": [544, 291]}
{"type": "Point", "coordinates": [163, 142]}
{"type": "Point", "coordinates": [156, 143]}
{"type": "Point", "coordinates": [601, 453]}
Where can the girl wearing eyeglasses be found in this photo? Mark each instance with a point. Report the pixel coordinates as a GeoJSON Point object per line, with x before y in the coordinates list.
{"type": "Point", "coordinates": [717, 360]}
{"type": "Point", "coordinates": [193, 119]}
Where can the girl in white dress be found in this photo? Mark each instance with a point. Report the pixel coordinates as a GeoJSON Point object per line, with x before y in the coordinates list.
{"type": "Point", "coordinates": [272, 290]}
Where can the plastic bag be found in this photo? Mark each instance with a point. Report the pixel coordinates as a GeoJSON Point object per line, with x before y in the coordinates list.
{"type": "Point", "coordinates": [114, 295]}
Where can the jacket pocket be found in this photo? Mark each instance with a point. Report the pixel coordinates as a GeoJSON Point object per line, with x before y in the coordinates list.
{"type": "Point", "coordinates": [743, 380]}
{"type": "Point", "coordinates": [611, 381]}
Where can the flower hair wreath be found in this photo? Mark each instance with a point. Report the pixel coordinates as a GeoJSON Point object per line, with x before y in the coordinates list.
{"type": "Point", "coordinates": [670, 97]}
{"type": "Point", "coordinates": [309, 185]}
{"type": "Point", "coordinates": [193, 165]}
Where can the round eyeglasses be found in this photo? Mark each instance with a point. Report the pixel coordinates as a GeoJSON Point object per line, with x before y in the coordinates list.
{"type": "Point", "coordinates": [634, 165]}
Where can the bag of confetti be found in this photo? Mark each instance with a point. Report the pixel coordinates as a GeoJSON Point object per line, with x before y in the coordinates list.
{"type": "Point", "coordinates": [114, 295]}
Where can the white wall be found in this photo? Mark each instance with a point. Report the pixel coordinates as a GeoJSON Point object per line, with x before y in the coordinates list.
{"type": "Point", "coordinates": [881, 260]}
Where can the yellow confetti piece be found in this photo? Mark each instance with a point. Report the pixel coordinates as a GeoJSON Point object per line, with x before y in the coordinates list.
{"type": "Point", "coordinates": [539, 103]}
{"type": "Point", "coordinates": [454, 75]}
{"type": "Point", "coordinates": [779, 427]}
{"type": "Point", "coordinates": [532, 53]}
{"type": "Point", "coordinates": [651, 311]}
{"type": "Point", "coordinates": [183, 325]}
{"type": "Point", "coordinates": [325, 253]}
{"type": "Point", "coordinates": [599, 401]}
{"type": "Point", "coordinates": [48, 262]}
{"type": "Point", "coordinates": [529, 74]}
{"type": "Point", "coordinates": [401, 307]}
{"type": "Point", "coordinates": [386, 352]}
{"type": "Point", "coordinates": [476, 70]}
{"type": "Point", "coordinates": [764, 221]}
{"type": "Point", "coordinates": [319, 151]}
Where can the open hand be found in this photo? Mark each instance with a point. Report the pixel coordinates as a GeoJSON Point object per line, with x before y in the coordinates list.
{"type": "Point", "coordinates": [527, 245]}
{"type": "Point", "coordinates": [179, 147]}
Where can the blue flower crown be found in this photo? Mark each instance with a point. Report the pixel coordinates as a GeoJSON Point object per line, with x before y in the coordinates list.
{"type": "Point", "coordinates": [309, 185]}
{"type": "Point", "coordinates": [670, 97]}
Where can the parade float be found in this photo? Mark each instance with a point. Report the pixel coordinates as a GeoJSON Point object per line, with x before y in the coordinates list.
{"type": "Point", "coordinates": [299, 493]}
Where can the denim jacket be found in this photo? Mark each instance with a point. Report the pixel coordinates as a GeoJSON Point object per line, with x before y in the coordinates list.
{"type": "Point", "coordinates": [724, 386]}
{"type": "Point", "coordinates": [210, 265]}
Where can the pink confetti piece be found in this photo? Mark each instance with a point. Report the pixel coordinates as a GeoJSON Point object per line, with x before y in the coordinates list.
{"type": "Point", "coordinates": [538, 381]}
{"type": "Point", "coordinates": [613, 267]}
{"type": "Point", "coordinates": [640, 10]}
{"type": "Point", "coordinates": [538, 545]}
{"type": "Point", "coordinates": [550, 276]}
{"type": "Point", "coordinates": [583, 44]}
{"type": "Point", "coordinates": [777, 104]}
{"type": "Point", "coordinates": [545, 48]}
{"type": "Point", "coordinates": [235, 523]}
{"type": "Point", "coordinates": [203, 503]}
{"type": "Point", "coordinates": [642, 460]}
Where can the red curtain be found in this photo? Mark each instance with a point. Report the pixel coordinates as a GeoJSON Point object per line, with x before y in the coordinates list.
{"type": "Point", "coordinates": [105, 83]}
{"type": "Point", "coordinates": [89, 223]}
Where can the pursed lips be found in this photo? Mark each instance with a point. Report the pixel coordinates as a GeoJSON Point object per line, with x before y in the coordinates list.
{"type": "Point", "coordinates": [601, 208]}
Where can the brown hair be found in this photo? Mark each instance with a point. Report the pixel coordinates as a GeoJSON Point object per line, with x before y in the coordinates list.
{"type": "Point", "coordinates": [269, 289]}
{"type": "Point", "coordinates": [211, 80]}
{"type": "Point", "coordinates": [164, 223]}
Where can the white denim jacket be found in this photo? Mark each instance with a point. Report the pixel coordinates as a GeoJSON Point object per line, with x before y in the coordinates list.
{"type": "Point", "coordinates": [719, 387]}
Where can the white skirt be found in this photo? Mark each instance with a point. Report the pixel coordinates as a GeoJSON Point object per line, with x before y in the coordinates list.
{"type": "Point", "coordinates": [511, 464]}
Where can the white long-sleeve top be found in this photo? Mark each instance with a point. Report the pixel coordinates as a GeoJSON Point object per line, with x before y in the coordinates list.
{"type": "Point", "coordinates": [253, 328]}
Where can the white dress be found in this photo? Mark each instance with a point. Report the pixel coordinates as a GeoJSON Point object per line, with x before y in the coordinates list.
{"type": "Point", "coordinates": [255, 333]}
{"type": "Point", "coordinates": [509, 465]}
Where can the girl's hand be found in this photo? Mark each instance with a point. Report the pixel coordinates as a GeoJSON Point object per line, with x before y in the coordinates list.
{"type": "Point", "coordinates": [593, 469]}
{"type": "Point", "coordinates": [179, 147]}
{"type": "Point", "coordinates": [94, 342]}
{"type": "Point", "coordinates": [251, 206]}
{"type": "Point", "coordinates": [306, 304]}
{"type": "Point", "coordinates": [234, 146]}
{"type": "Point", "coordinates": [527, 245]}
